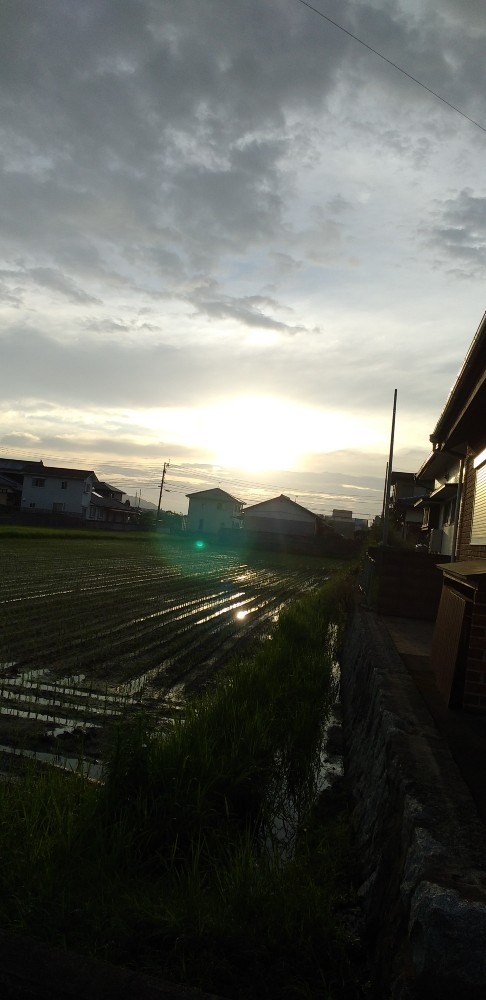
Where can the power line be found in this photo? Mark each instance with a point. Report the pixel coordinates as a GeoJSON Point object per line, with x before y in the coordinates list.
{"type": "Point", "coordinates": [149, 479]}
{"type": "Point", "coordinates": [395, 65]}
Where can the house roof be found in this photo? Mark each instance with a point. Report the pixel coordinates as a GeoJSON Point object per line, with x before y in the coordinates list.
{"type": "Point", "coordinates": [436, 465]}
{"type": "Point", "coordinates": [282, 498]}
{"type": "Point", "coordinates": [47, 471]}
{"type": "Point", "coordinates": [213, 494]}
{"type": "Point", "coordinates": [97, 500]}
{"type": "Point", "coordinates": [465, 405]}
{"type": "Point", "coordinates": [442, 494]}
{"type": "Point", "coordinates": [55, 473]}
{"type": "Point", "coordinates": [401, 477]}
{"type": "Point", "coordinates": [20, 465]}
{"type": "Point", "coordinates": [101, 485]}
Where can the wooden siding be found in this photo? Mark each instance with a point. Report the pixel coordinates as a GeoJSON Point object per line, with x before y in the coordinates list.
{"type": "Point", "coordinates": [478, 532]}
{"type": "Point", "coordinates": [465, 549]}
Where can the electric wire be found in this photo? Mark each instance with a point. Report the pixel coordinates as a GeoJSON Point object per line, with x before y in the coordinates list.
{"type": "Point", "coordinates": [187, 477]}
{"type": "Point", "coordinates": [390, 62]}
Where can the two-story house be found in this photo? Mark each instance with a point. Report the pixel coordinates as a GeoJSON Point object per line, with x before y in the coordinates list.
{"type": "Point", "coordinates": [213, 511]}
{"type": "Point", "coordinates": [57, 490]}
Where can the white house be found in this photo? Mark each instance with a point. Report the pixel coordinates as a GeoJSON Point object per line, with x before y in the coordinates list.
{"type": "Point", "coordinates": [55, 490]}
{"type": "Point", "coordinates": [281, 516]}
{"type": "Point", "coordinates": [213, 511]}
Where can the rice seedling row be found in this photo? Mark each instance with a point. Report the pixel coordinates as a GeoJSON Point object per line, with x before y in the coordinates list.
{"type": "Point", "coordinates": [90, 629]}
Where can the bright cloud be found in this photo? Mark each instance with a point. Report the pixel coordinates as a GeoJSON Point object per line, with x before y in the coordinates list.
{"type": "Point", "coordinates": [229, 230]}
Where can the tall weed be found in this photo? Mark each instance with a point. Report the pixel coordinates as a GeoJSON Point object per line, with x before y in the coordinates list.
{"type": "Point", "coordinates": [174, 864]}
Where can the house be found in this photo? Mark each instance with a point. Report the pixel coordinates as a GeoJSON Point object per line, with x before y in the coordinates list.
{"type": "Point", "coordinates": [281, 516]}
{"type": "Point", "coordinates": [49, 489]}
{"type": "Point", "coordinates": [457, 508]}
{"type": "Point", "coordinates": [344, 523]}
{"type": "Point", "coordinates": [58, 490]}
{"type": "Point", "coordinates": [109, 509]}
{"type": "Point", "coordinates": [30, 487]}
{"type": "Point", "coordinates": [10, 492]}
{"type": "Point", "coordinates": [438, 508]}
{"type": "Point", "coordinates": [108, 491]}
{"type": "Point", "coordinates": [213, 511]}
{"type": "Point", "coordinates": [406, 490]}
{"type": "Point", "coordinates": [13, 471]}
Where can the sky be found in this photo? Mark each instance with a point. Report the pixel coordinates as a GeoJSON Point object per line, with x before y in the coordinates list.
{"type": "Point", "coordinates": [229, 230]}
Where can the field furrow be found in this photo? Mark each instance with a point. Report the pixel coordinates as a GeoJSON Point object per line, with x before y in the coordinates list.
{"type": "Point", "coordinates": [92, 629]}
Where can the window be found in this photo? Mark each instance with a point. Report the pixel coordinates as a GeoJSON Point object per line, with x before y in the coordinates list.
{"type": "Point", "coordinates": [58, 508]}
{"type": "Point", "coordinates": [478, 528]}
{"type": "Point", "coordinates": [38, 482]}
{"type": "Point", "coordinates": [32, 505]}
{"type": "Point", "coordinates": [64, 484]}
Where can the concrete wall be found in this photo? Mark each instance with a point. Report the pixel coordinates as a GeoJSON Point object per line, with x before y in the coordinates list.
{"type": "Point", "coordinates": [420, 843]}
{"type": "Point", "coordinates": [403, 582]}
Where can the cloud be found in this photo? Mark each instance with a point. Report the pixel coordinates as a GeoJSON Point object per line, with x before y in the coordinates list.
{"type": "Point", "coordinates": [20, 440]}
{"type": "Point", "coordinates": [203, 200]}
{"type": "Point", "coordinates": [246, 310]}
{"type": "Point", "coordinates": [459, 234]}
{"type": "Point", "coordinates": [49, 277]}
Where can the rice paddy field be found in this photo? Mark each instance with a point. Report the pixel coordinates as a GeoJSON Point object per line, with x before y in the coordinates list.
{"type": "Point", "coordinates": [93, 627]}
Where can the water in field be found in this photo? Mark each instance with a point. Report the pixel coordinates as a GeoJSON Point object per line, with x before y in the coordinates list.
{"type": "Point", "coordinates": [91, 632]}
{"type": "Point", "coordinates": [78, 765]}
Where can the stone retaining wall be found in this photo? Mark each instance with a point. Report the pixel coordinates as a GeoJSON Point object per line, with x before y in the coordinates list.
{"type": "Point", "coordinates": [420, 841]}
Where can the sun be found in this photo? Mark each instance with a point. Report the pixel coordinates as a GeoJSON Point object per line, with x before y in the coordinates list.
{"type": "Point", "coordinates": [254, 433]}
{"type": "Point", "coordinates": [260, 433]}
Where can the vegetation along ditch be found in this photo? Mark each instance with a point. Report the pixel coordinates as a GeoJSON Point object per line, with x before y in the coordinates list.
{"type": "Point", "coordinates": [209, 855]}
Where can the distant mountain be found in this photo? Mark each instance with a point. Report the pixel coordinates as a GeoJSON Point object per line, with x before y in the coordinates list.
{"type": "Point", "coordinates": [140, 502]}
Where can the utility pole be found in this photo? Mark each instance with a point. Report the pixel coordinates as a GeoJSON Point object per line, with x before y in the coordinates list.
{"type": "Point", "coordinates": [384, 496]}
{"type": "Point", "coordinates": [166, 466]}
{"type": "Point", "coordinates": [389, 472]}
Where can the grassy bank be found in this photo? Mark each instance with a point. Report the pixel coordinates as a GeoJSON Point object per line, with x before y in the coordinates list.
{"type": "Point", "coordinates": [176, 864]}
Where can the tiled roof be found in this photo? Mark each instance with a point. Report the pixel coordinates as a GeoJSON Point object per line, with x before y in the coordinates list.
{"type": "Point", "coordinates": [15, 465]}
{"type": "Point", "coordinates": [99, 501]}
{"type": "Point", "coordinates": [282, 497]}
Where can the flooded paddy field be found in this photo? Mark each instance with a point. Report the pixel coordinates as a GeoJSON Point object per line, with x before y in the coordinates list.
{"type": "Point", "coordinates": [94, 628]}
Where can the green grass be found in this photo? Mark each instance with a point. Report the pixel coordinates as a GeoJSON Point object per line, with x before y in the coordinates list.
{"type": "Point", "coordinates": [86, 534]}
{"type": "Point", "coordinates": [173, 865]}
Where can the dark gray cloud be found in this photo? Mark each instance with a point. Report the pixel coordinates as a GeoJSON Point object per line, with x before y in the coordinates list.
{"type": "Point", "coordinates": [460, 232]}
